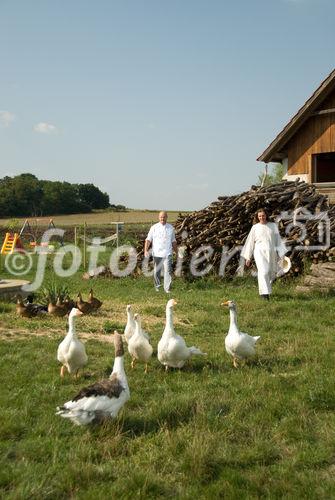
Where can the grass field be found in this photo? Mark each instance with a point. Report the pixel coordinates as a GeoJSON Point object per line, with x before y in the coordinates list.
{"type": "Point", "coordinates": [265, 430]}
{"type": "Point", "coordinates": [102, 217]}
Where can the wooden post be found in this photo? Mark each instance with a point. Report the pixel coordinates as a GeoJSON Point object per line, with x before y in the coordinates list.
{"type": "Point", "coordinates": [75, 244]}
{"type": "Point", "coordinates": [84, 249]}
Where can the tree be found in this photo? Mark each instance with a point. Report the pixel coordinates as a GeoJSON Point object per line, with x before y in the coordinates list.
{"type": "Point", "coordinates": [61, 198]}
{"type": "Point", "coordinates": [276, 175]}
{"type": "Point", "coordinates": [20, 195]}
{"type": "Point", "coordinates": [27, 196]}
{"type": "Point", "coordinates": [92, 196]}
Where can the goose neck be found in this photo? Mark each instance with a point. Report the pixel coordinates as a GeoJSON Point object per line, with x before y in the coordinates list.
{"type": "Point", "coordinates": [169, 320]}
{"type": "Point", "coordinates": [137, 327]}
{"type": "Point", "coordinates": [118, 369]}
{"type": "Point", "coordinates": [72, 328]}
{"type": "Point", "coordinates": [233, 317]}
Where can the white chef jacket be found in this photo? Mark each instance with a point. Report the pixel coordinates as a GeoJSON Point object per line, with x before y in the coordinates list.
{"type": "Point", "coordinates": [161, 236]}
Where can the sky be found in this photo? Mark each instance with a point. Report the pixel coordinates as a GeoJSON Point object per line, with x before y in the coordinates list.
{"type": "Point", "coordinates": [161, 104]}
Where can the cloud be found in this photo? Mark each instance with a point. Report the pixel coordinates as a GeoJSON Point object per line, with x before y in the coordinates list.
{"type": "Point", "coordinates": [6, 118]}
{"type": "Point", "coordinates": [45, 128]}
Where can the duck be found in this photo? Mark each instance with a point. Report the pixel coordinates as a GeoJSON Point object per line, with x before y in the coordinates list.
{"type": "Point", "coordinates": [69, 303]}
{"type": "Point", "coordinates": [83, 306]}
{"type": "Point", "coordinates": [239, 345]}
{"type": "Point", "coordinates": [71, 351]}
{"type": "Point", "coordinates": [102, 400]}
{"type": "Point", "coordinates": [58, 308]}
{"type": "Point", "coordinates": [95, 303]}
{"type": "Point", "coordinates": [131, 325]}
{"type": "Point", "coordinates": [38, 308]}
{"type": "Point", "coordinates": [172, 350]}
{"type": "Point", "coordinates": [139, 346]}
{"type": "Point", "coordinates": [25, 310]}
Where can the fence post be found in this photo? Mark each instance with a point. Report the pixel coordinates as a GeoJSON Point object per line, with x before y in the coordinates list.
{"type": "Point", "coordinates": [84, 249]}
{"type": "Point", "coordinates": [75, 245]}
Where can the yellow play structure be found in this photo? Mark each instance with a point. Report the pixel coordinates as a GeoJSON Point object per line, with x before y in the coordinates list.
{"type": "Point", "coordinates": [11, 243]}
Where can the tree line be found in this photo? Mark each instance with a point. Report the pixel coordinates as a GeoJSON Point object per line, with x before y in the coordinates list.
{"type": "Point", "coordinates": [26, 195]}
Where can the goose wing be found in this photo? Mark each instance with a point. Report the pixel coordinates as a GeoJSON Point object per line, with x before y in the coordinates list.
{"type": "Point", "coordinates": [112, 388]}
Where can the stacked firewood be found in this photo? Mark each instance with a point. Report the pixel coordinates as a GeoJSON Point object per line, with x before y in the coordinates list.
{"type": "Point", "coordinates": [320, 277]}
{"type": "Point", "coordinates": [301, 212]}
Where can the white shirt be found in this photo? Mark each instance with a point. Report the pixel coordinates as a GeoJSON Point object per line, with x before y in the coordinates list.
{"type": "Point", "coordinates": [161, 236]}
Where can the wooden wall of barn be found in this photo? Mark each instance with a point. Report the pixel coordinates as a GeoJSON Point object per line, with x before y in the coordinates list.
{"type": "Point", "coordinates": [317, 135]}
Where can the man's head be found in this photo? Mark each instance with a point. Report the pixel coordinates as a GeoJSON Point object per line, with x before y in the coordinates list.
{"type": "Point", "coordinates": [162, 217]}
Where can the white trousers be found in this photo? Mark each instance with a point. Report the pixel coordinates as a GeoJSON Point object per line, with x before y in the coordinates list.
{"type": "Point", "coordinates": [164, 263]}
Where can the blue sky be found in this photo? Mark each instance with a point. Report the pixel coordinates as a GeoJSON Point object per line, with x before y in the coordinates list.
{"type": "Point", "coordinates": [162, 104]}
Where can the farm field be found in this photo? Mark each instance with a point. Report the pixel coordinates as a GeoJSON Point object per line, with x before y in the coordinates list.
{"type": "Point", "coordinates": [103, 217]}
{"type": "Point", "coordinates": [209, 430]}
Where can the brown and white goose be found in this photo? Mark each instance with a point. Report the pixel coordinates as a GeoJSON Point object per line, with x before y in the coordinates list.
{"type": "Point", "coordinates": [102, 400]}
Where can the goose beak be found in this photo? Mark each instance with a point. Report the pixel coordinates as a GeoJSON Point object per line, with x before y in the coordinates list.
{"type": "Point", "coordinates": [225, 303]}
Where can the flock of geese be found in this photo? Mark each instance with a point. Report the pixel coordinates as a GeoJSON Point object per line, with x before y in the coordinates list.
{"type": "Point", "coordinates": [103, 400]}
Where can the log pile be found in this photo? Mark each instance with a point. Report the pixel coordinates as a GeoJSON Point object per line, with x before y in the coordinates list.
{"type": "Point", "coordinates": [321, 277]}
{"type": "Point", "coordinates": [300, 211]}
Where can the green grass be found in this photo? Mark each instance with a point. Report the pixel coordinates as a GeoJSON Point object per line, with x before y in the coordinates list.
{"type": "Point", "coordinates": [265, 430]}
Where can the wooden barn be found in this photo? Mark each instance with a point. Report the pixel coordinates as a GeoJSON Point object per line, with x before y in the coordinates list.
{"type": "Point", "coordinates": [306, 145]}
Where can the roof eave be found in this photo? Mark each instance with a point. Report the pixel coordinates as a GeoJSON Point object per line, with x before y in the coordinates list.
{"type": "Point", "coordinates": [275, 150]}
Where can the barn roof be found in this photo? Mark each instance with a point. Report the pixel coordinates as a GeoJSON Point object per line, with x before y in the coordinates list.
{"type": "Point", "coordinates": [276, 150]}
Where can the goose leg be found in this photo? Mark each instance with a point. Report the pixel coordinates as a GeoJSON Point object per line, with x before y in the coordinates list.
{"type": "Point", "coordinates": [235, 362]}
{"type": "Point", "coordinates": [146, 368]}
{"type": "Point", "coordinates": [166, 368]}
{"type": "Point", "coordinates": [133, 363]}
{"type": "Point", "coordinates": [62, 371]}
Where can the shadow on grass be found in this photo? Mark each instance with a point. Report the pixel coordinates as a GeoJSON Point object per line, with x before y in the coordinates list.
{"type": "Point", "coordinates": [187, 368]}
{"type": "Point", "coordinates": [164, 417]}
{"type": "Point", "coordinates": [273, 363]}
{"type": "Point", "coordinates": [321, 399]}
{"type": "Point", "coordinates": [281, 296]}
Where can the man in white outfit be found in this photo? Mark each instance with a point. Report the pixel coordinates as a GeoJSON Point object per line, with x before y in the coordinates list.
{"type": "Point", "coordinates": [162, 238]}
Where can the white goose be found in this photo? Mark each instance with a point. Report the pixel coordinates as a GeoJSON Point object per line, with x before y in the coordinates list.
{"type": "Point", "coordinates": [238, 344]}
{"type": "Point", "coordinates": [71, 351]}
{"type": "Point", "coordinates": [139, 346]}
{"type": "Point", "coordinates": [102, 400]}
{"type": "Point", "coordinates": [130, 326]}
{"type": "Point", "coordinates": [172, 349]}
